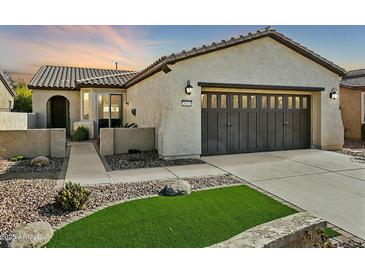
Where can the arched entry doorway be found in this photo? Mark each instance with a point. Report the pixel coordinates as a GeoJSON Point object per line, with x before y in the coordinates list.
{"type": "Point", "coordinates": [58, 113]}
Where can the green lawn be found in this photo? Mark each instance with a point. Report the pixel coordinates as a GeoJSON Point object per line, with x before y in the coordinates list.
{"type": "Point", "coordinates": [197, 220]}
{"type": "Point", "coordinates": [330, 233]}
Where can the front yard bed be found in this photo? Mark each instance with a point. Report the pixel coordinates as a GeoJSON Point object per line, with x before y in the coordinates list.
{"type": "Point", "coordinates": [29, 200]}
{"type": "Point", "coordinates": [197, 220]}
{"type": "Point", "coordinates": [145, 160]}
{"type": "Point", "coordinates": [24, 166]}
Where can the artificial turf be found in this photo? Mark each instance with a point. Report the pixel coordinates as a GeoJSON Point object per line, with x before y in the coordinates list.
{"type": "Point", "coordinates": [197, 220]}
{"type": "Point", "coordinates": [330, 233]}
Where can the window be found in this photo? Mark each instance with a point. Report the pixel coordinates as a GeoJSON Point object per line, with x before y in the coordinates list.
{"type": "Point", "coordinates": [235, 101]}
{"type": "Point", "coordinates": [304, 103]}
{"type": "Point", "coordinates": [204, 101]}
{"type": "Point", "coordinates": [223, 101]}
{"type": "Point", "coordinates": [363, 107]}
{"type": "Point", "coordinates": [297, 102]}
{"type": "Point", "coordinates": [280, 102]}
{"type": "Point", "coordinates": [264, 102]}
{"type": "Point", "coordinates": [253, 101]}
{"type": "Point", "coordinates": [85, 106]}
{"type": "Point", "coordinates": [272, 102]}
{"type": "Point", "coordinates": [290, 102]}
{"type": "Point", "coordinates": [244, 101]}
{"type": "Point", "coordinates": [213, 101]}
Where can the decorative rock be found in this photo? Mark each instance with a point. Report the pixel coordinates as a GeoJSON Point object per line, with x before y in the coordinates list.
{"type": "Point", "coordinates": [298, 230]}
{"type": "Point", "coordinates": [177, 187]}
{"type": "Point", "coordinates": [40, 161]}
{"type": "Point", "coordinates": [34, 234]}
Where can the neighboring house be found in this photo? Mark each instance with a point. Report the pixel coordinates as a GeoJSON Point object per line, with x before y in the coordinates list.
{"type": "Point", "coordinates": [353, 103]}
{"type": "Point", "coordinates": [7, 93]}
{"type": "Point", "coordinates": [257, 92]}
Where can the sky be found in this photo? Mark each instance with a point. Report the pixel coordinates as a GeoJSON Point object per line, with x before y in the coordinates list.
{"type": "Point", "coordinates": [23, 49]}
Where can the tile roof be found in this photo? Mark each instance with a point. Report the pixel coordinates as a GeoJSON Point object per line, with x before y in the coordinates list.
{"type": "Point", "coordinates": [354, 79]}
{"type": "Point", "coordinates": [61, 77]}
{"type": "Point", "coordinates": [163, 62]}
{"type": "Point", "coordinates": [4, 79]}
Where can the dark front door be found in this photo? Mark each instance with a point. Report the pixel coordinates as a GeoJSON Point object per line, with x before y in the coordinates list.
{"type": "Point", "coordinates": [238, 123]}
{"type": "Point", "coordinates": [59, 111]}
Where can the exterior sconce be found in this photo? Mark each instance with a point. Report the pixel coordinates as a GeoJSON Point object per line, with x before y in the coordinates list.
{"type": "Point", "coordinates": [333, 94]}
{"type": "Point", "coordinates": [127, 103]}
{"type": "Point", "coordinates": [188, 88]}
{"type": "Point", "coordinates": [133, 111]}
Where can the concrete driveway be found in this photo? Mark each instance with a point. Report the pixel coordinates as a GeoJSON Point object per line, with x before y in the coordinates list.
{"type": "Point", "coordinates": [324, 183]}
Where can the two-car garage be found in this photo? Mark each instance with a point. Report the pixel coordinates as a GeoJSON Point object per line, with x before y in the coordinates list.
{"type": "Point", "coordinates": [239, 122]}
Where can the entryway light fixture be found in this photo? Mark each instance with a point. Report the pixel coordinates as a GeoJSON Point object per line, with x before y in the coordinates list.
{"type": "Point", "coordinates": [333, 94]}
{"type": "Point", "coordinates": [188, 88]}
{"type": "Point", "coordinates": [127, 103]}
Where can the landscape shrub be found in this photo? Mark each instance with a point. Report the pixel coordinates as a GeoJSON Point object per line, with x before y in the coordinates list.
{"type": "Point", "coordinates": [73, 197]}
{"type": "Point", "coordinates": [80, 134]}
{"type": "Point", "coordinates": [17, 158]}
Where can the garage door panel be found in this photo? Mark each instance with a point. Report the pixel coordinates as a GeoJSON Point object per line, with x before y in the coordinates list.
{"type": "Point", "coordinates": [238, 123]}
{"type": "Point", "coordinates": [243, 134]}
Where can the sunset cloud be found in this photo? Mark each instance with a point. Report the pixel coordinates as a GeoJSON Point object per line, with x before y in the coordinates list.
{"type": "Point", "coordinates": [87, 46]}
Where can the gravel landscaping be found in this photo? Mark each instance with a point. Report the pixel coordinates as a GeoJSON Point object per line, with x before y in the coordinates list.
{"type": "Point", "coordinates": [23, 166]}
{"type": "Point", "coordinates": [23, 201]}
{"type": "Point", "coordinates": [145, 160]}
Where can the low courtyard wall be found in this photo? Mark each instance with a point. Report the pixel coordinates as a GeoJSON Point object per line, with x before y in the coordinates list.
{"type": "Point", "coordinates": [120, 140]}
{"type": "Point", "coordinates": [17, 120]}
{"type": "Point", "coordinates": [33, 142]}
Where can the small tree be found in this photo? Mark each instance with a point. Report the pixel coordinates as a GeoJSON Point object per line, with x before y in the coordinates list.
{"type": "Point", "coordinates": [23, 98]}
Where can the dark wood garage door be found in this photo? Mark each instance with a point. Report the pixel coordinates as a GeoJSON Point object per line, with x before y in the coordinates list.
{"type": "Point", "coordinates": [238, 123]}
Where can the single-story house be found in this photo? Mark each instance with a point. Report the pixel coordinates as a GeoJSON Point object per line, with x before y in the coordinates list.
{"type": "Point", "coordinates": [7, 93]}
{"type": "Point", "coordinates": [352, 90]}
{"type": "Point", "coordinates": [257, 92]}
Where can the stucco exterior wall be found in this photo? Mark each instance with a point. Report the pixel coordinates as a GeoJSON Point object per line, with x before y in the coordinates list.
{"type": "Point", "coordinates": [152, 99]}
{"type": "Point", "coordinates": [33, 142]}
{"type": "Point", "coordinates": [350, 102]}
{"type": "Point", "coordinates": [263, 62]}
{"type": "Point", "coordinates": [5, 97]}
{"type": "Point", "coordinates": [17, 120]}
{"type": "Point", "coordinates": [41, 97]}
{"type": "Point", "coordinates": [120, 140]}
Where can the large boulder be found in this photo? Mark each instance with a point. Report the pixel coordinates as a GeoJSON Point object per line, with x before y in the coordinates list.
{"type": "Point", "coordinates": [34, 234]}
{"type": "Point", "coordinates": [40, 161]}
{"type": "Point", "coordinates": [178, 187]}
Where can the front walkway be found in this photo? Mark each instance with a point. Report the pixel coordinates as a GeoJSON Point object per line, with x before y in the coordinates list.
{"type": "Point", "coordinates": [327, 184]}
{"type": "Point", "coordinates": [85, 166]}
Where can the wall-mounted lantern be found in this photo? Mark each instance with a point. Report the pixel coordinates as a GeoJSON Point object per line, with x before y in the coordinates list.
{"type": "Point", "coordinates": [127, 103]}
{"type": "Point", "coordinates": [333, 94]}
{"type": "Point", "coordinates": [188, 88]}
{"type": "Point", "coordinates": [133, 111]}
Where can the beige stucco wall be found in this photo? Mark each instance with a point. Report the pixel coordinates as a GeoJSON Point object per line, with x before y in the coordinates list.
{"type": "Point", "coordinates": [33, 143]}
{"type": "Point", "coordinates": [17, 120]}
{"type": "Point", "coordinates": [41, 97]}
{"type": "Point", "coordinates": [351, 112]}
{"type": "Point", "coordinates": [120, 140]}
{"type": "Point", "coordinates": [5, 97]}
{"type": "Point", "coordinates": [263, 61]}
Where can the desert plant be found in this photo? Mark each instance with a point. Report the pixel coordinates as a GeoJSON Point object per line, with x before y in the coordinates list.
{"type": "Point", "coordinates": [73, 197]}
{"type": "Point", "coordinates": [80, 134]}
{"type": "Point", "coordinates": [23, 99]}
{"type": "Point", "coordinates": [17, 158]}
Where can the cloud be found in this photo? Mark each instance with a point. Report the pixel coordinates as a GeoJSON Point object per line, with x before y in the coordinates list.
{"type": "Point", "coordinates": [88, 46]}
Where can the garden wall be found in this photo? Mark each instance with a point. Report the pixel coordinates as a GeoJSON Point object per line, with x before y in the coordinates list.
{"type": "Point", "coordinates": [33, 142]}
{"type": "Point", "coordinates": [120, 140]}
{"type": "Point", "coordinates": [17, 120]}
